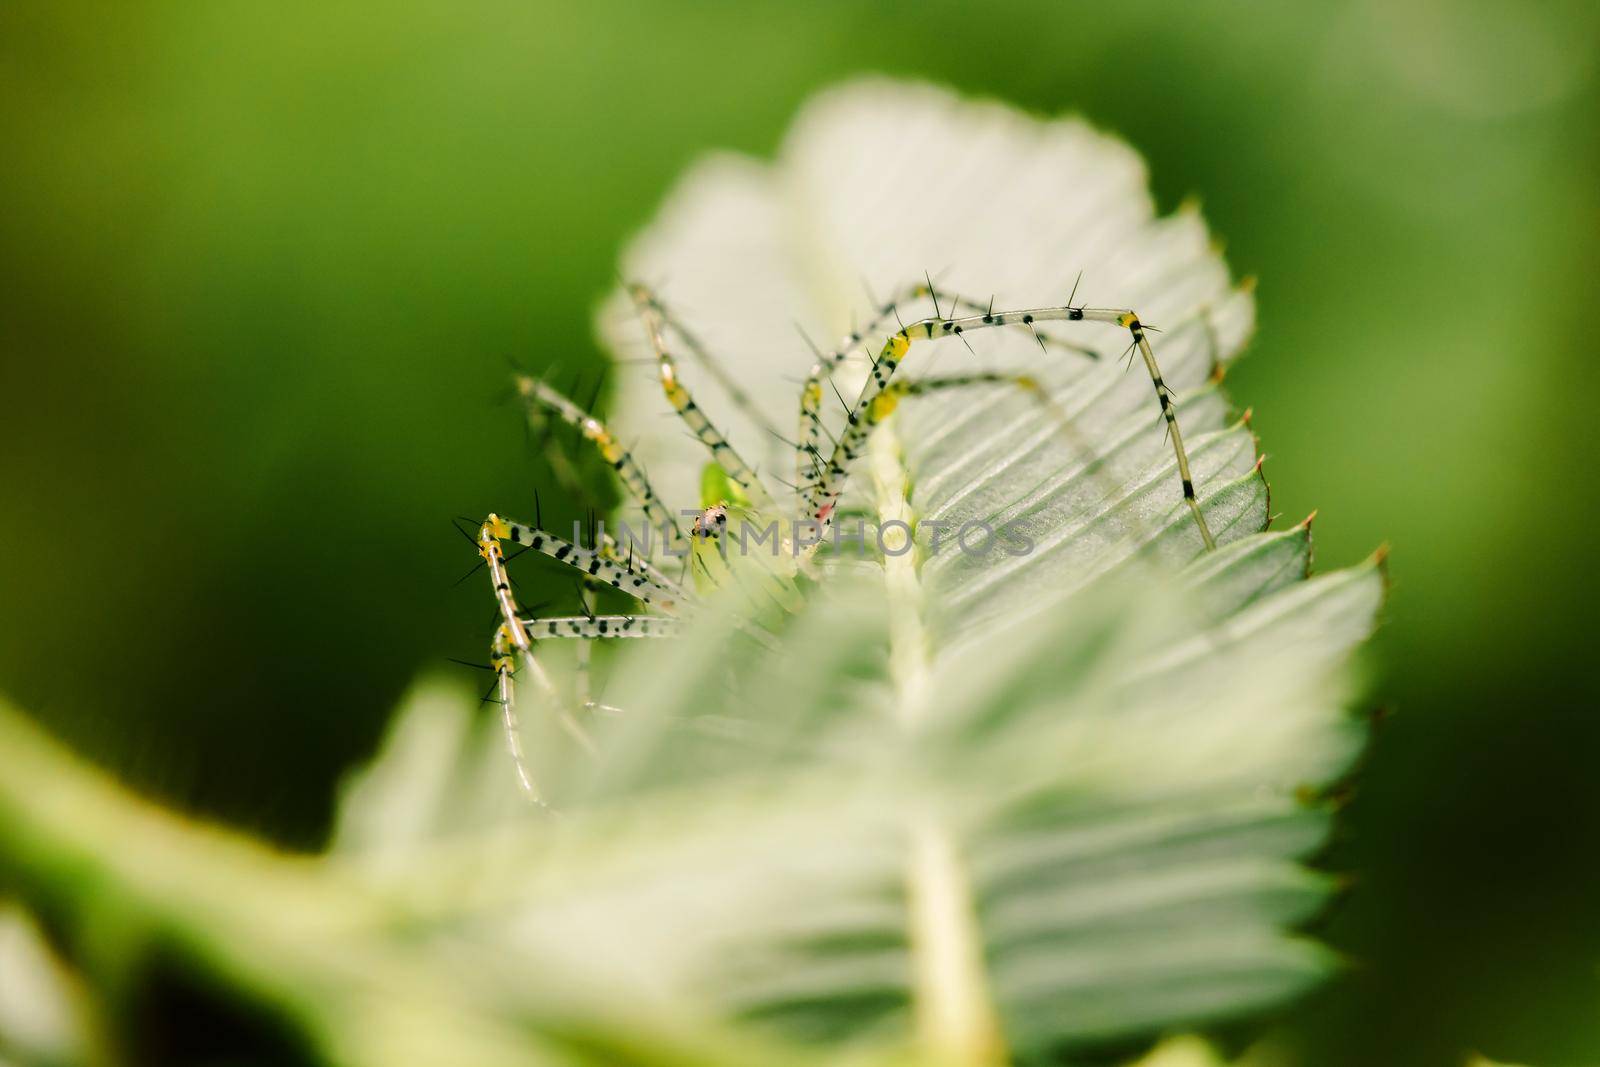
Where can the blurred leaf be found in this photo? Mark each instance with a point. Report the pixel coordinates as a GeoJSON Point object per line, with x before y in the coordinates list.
{"type": "Point", "coordinates": [298, 936]}
{"type": "Point", "coordinates": [1182, 1052]}
{"type": "Point", "coordinates": [1060, 855]}
{"type": "Point", "coordinates": [45, 1019]}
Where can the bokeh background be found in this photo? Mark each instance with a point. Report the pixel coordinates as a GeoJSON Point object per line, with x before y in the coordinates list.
{"type": "Point", "coordinates": [262, 268]}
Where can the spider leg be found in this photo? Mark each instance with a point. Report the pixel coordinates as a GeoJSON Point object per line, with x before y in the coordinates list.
{"type": "Point", "coordinates": [809, 446]}
{"type": "Point", "coordinates": [600, 565]}
{"type": "Point", "coordinates": [539, 398]}
{"type": "Point", "coordinates": [824, 495]}
{"type": "Point", "coordinates": [601, 627]}
{"type": "Point", "coordinates": [862, 421]}
{"type": "Point", "coordinates": [702, 354]}
{"type": "Point", "coordinates": [727, 457]}
{"type": "Point", "coordinates": [513, 648]}
{"type": "Point", "coordinates": [512, 645]}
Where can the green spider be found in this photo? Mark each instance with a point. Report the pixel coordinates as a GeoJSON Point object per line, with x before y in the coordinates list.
{"type": "Point", "coordinates": [733, 496]}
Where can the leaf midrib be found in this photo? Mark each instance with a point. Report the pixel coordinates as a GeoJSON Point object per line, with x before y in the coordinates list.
{"type": "Point", "coordinates": [955, 1017]}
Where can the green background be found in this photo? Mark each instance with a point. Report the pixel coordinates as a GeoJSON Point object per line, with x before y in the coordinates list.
{"type": "Point", "coordinates": [262, 268]}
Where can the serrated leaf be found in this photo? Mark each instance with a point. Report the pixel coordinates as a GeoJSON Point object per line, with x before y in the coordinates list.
{"type": "Point", "coordinates": [975, 805]}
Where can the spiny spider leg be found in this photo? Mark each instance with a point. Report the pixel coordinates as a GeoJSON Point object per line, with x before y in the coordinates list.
{"type": "Point", "coordinates": [544, 407]}
{"type": "Point", "coordinates": [514, 640]}
{"type": "Point", "coordinates": [884, 403]}
{"type": "Point", "coordinates": [582, 688]}
{"type": "Point", "coordinates": [536, 394]}
{"type": "Point", "coordinates": [678, 395]}
{"type": "Point", "coordinates": [502, 660]}
{"type": "Point", "coordinates": [541, 400]}
{"type": "Point", "coordinates": [630, 578]}
{"type": "Point", "coordinates": [808, 459]}
{"type": "Point", "coordinates": [511, 645]}
{"type": "Point", "coordinates": [822, 497]}
{"type": "Point", "coordinates": [542, 404]}
{"type": "Point", "coordinates": [853, 441]}
{"type": "Point", "coordinates": [587, 628]}
{"type": "Point", "coordinates": [595, 627]}
{"type": "Point", "coordinates": [643, 294]}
